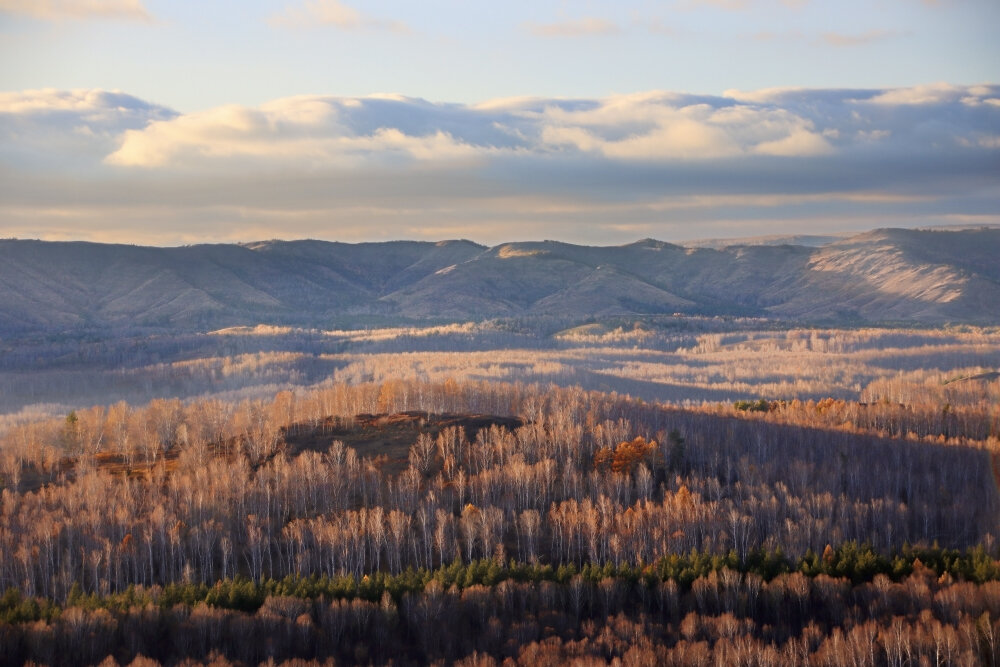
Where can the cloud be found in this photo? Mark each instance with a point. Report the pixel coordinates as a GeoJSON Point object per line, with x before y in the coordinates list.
{"type": "Point", "coordinates": [333, 13]}
{"type": "Point", "coordinates": [320, 131]}
{"type": "Point", "coordinates": [870, 37]}
{"type": "Point", "coordinates": [84, 101]}
{"type": "Point", "coordinates": [377, 166]}
{"type": "Point", "coordinates": [54, 10]}
{"type": "Point", "coordinates": [936, 93]}
{"type": "Point", "coordinates": [309, 131]}
{"type": "Point", "coordinates": [583, 27]}
{"type": "Point", "coordinates": [59, 128]}
{"type": "Point", "coordinates": [663, 128]}
{"type": "Point", "coordinates": [324, 131]}
{"type": "Point", "coordinates": [800, 141]}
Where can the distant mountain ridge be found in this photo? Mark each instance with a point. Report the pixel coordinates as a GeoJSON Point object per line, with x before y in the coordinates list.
{"type": "Point", "coordinates": [898, 275]}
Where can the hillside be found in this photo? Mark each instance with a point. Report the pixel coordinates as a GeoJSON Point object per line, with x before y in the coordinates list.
{"type": "Point", "coordinates": [468, 524]}
{"type": "Point", "coordinates": [884, 275]}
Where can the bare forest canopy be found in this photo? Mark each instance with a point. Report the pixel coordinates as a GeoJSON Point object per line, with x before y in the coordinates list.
{"type": "Point", "coordinates": [890, 275]}
{"type": "Point", "coordinates": [419, 521]}
{"type": "Point", "coordinates": [685, 361]}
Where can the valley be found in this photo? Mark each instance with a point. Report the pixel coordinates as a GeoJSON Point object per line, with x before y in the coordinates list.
{"type": "Point", "coordinates": [632, 459]}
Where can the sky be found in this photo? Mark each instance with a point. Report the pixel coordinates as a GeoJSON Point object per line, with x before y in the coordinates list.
{"type": "Point", "coordinates": [175, 122]}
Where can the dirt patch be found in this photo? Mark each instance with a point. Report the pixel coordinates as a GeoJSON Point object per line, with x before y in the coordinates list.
{"type": "Point", "coordinates": [387, 438]}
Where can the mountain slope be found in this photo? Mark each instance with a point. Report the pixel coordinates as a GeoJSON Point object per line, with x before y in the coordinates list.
{"type": "Point", "coordinates": [884, 275]}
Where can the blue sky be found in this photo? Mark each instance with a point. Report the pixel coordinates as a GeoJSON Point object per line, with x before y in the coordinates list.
{"type": "Point", "coordinates": [599, 122]}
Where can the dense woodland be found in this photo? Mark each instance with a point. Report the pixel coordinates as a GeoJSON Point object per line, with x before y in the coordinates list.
{"type": "Point", "coordinates": [419, 521]}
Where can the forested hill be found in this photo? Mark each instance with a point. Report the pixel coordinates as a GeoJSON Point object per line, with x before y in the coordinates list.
{"type": "Point", "coordinates": [884, 275]}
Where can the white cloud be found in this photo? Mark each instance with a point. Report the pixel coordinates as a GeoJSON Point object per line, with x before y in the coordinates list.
{"type": "Point", "coordinates": [672, 134]}
{"type": "Point", "coordinates": [323, 131]}
{"type": "Point", "coordinates": [45, 100]}
{"type": "Point", "coordinates": [309, 131]}
{"type": "Point", "coordinates": [318, 132]}
{"type": "Point", "coordinates": [661, 126]}
{"type": "Point", "coordinates": [58, 128]}
{"type": "Point", "coordinates": [52, 10]}
{"type": "Point", "coordinates": [799, 142]}
{"type": "Point", "coordinates": [574, 28]}
{"type": "Point", "coordinates": [334, 13]}
{"type": "Point", "coordinates": [936, 93]}
{"type": "Point", "coordinates": [392, 163]}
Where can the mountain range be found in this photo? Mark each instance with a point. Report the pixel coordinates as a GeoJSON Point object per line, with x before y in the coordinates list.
{"type": "Point", "coordinates": [886, 275]}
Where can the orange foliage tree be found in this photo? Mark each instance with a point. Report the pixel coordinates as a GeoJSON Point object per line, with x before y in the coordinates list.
{"type": "Point", "coordinates": [626, 456]}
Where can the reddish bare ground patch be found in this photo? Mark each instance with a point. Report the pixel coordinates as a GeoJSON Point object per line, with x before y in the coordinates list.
{"type": "Point", "coordinates": [387, 438]}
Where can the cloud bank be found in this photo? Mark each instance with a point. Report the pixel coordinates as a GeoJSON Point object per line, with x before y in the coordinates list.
{"type": "Point", "coordinates": [673, 165]}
